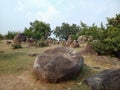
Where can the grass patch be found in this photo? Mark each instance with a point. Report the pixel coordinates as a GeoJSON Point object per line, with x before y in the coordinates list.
{"type": "Point", "coordinates": [15, 64]}
{"type": "Point", "coordinates": [85, 72]}
{"type": "Point", "coordinates": [16, 61]}
{"type": "Point", "coordinates": [11, 56]}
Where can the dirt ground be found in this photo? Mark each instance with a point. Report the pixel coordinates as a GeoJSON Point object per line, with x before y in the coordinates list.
{"type": "Point", "coordinates": [26, 80]}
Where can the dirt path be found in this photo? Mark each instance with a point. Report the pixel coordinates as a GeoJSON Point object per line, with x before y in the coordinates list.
{"type": "Point", "coordinates": [26, 81]}
{"type": "Point", "coordinates": [12, 82]}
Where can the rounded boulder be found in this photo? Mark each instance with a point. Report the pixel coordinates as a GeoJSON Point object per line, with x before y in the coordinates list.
{"type": "Point", "coordinates": [57, 64]}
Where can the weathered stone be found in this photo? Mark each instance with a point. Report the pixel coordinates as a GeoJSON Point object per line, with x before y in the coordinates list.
{"type": "Point", "coordinates": [58, 64]}
{"type": "Point", "coordinates": [107, 80]}
{"type": "Point", "coordinates": [82, 39]}
{"type": "Point", "coordinates": [88, 50]}
{"type": "Point", "coordinates": [31, 42]}
{"type": "Point", "coordinates": [19, 38]}
{"type": "Point", "coordinates": [74, 44]}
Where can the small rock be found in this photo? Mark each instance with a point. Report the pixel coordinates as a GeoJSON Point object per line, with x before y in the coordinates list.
{"type": "Point", "coordinates": [96, 67]}
{"type": "Point", "coordinates": [79, 83]}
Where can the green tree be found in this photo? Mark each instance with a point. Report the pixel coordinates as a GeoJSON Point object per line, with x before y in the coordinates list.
{"type": "Point", "coordinates": [109, 39]}
{"type": "Point", "coordinates": [114, 21]}
{"type": "Point", "coordinates": [38, 30]}
{"type": "Point", "coordinates": [84, 29]}
{"type": "Point", "coordinates": [28, 32]}
{"type": "Point", "coordinates": [1, 36]}
{"type": "Point", "coordinates": [11, 34]}
{"type": "Point", "coordinates": [62, 32]}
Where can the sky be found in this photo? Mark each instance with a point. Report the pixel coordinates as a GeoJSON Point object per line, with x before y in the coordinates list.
{"type": "Point", "coordinates": [15, 15]}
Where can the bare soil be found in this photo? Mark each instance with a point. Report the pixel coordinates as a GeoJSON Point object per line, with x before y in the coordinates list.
{"type": "Point", "coordinates": [25, 80]}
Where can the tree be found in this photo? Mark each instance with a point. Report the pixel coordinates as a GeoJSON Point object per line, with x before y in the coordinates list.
{"type": "Point", "coordinates": [63, 32]}
{"type": "Point", "coordinates": [11, 34]}
{"type": "Point", "coordinates": [1, 36]}
{"type": "Point", "coordinates": [109, 43]}
{"type": "Point", "coordinates": [114, 22]}
{"type": "Point", "coordinates": [84, 29]}
{"type": "Point", "coordinates": [38, 30]}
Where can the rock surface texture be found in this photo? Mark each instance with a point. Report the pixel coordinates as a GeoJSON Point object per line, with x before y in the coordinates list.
{"type": "Point", "coordinates": [58, 64]}
{"type": "Point", "coordinates": [106, 80]}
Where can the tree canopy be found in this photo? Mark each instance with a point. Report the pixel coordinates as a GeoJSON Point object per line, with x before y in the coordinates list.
{"type": "Point", "coordinates": [107, 39]}
{"type": "Point", "coordinates": [62, 32]}
{"type": "Point", "coordinates": [1, 36]}
{"type": "Point", "coordinates": [11, 34]}
{"type": "Point", "coordinates": [38, 30]}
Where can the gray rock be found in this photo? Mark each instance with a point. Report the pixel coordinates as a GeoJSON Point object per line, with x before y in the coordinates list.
{"type": "Point", "coordinates": [58, 64]}
{"type": "Point", "coordinates": [106, 80]}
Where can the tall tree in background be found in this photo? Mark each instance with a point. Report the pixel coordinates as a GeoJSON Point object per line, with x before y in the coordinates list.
{"type": "Point", "coordinates": [110, 42]}
{"type": "Point", "coordinates": [62, 32]}
{"type": "Point", "coordinates": [38, 30]}
{"type": "Point", "coordinates": [1, 36]}
{"type": "Point", "coordinates": [11, 34]}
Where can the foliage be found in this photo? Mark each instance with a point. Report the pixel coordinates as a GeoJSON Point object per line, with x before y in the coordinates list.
{"type": "Point", "coordinates": [74, 37]}
{"type": "Point", "coordinates": [62, 32]}
{"type": "Point", "coordinates": [14, 46]}
{"type": "Point", "coordinates": [1, 36]}
{"type": "Point", "coordinates": [106, 40]}
{"type": "Point", "coordinates": [11, 34]}
{"type": "Point", "coordinates": [88, 31]}
{"type": "Point", "coordinates": [110, 42]}
{"type": "Point", "coordinates": [38, 30]}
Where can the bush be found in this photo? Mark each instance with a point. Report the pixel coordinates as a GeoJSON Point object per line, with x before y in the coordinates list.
{"type": "Point", "coordinates": [106, 40]}
{"type": "Point", "coordinates": [14, 46]}
{"type": "Point", "coordinates": [1, 36]}
{"type": "Point", "coordinates": [74, 37]}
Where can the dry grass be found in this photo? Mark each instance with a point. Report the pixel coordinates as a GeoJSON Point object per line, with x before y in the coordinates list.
{"type": "Point", "coordinates": [104, 62]}
{"type": "Point", "coordinates": [16, 69]}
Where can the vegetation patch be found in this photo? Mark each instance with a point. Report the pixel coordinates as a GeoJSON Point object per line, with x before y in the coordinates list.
{"type": "Point", "coordinates": [14, 46]}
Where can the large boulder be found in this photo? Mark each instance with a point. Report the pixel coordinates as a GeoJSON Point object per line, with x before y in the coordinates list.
{"type": "Point", "coordinates": [106, 80]}
{"type": "Point", "coordinates": [58, 64]}
{"type": "Point", "coordinates": [20, 37]}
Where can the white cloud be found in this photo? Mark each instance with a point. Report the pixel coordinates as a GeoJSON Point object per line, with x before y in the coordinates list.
{"type": "Point", "coordinates": [51, 13]}
{"type": "Point", "coordinates": [56, 12]}
{"type": "Point", "coordinates": [43, 10]}
{"type": "Point", "coordinates": [20, 6]}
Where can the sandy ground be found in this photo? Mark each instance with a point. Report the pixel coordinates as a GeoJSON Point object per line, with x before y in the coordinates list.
{"type": "Point", "coordinates": [26, 81]}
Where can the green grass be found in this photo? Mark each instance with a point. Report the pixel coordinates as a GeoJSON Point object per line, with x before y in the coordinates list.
{"type": "Point", "coordinates": [16, 62]}
{"type": "Point", "coordinates": [85, 72]}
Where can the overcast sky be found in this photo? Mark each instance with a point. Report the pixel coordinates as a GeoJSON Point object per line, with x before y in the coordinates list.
{"type": "Point", "coordinates": [16, 14]}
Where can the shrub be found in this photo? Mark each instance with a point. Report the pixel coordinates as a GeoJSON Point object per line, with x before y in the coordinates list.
{"type": "Point", "coordinates": [1, 36]}
{"type": "Point", "coordinates": [14, 46]}
{"type": "Point", "coordinates": [11, 34]}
